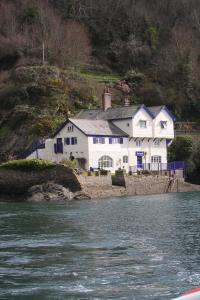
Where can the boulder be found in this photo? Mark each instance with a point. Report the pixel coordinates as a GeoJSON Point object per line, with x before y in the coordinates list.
{"type": "Point", "coordinates": [48, 192]}
{"type": "Point", "coordinates": [81, 196]}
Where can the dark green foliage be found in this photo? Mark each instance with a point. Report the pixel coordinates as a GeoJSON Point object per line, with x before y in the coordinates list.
{"type": "Point", "coordinates": [70, 163]}
{"type": "Point", "coordinates": [47, 125]}
{"type": "Point", "coordinates": [151, 35]}
{"type": "Point", "coordinates": [181, 148]}
{"type": "Point", "coordinates": [28, 165]}
{"type": "Point", "coordinates": [182, 73]}
{"type": "Point", "coordinates": [134, 78]}
{"type": "Point", "coordinates": [30, 16]}
{"type": "Point", "coordinates": [186, 148]}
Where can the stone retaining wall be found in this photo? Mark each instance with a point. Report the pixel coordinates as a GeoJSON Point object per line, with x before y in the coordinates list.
{"type": "Point", "coordinates": [95, 181]}
{"type": "Point", "coordinates": [18, 183]}
{"type": "Point", "coordinates": [146, 185]}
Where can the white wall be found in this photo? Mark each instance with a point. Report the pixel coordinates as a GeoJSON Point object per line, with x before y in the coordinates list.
{"type": "Point", "coordinates": [148, 146]}
{"type": "Point", "coordinates": [78, 151]}
{"type": "Point", "coordinates": [115, 151]}
{"type": "Point", "coordinates": [142, 132]}
{"type": "Point", "coordinates": [167, 132]}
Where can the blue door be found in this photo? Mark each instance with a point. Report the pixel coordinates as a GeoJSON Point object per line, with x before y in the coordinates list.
{"type": "Point", "coordinates": [139, 162]}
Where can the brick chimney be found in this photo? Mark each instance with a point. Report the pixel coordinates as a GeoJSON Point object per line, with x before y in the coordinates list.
{"type": "Point", "coordinates": [126, 102]}
{"type": "Point", "coordinates": [106, 99]}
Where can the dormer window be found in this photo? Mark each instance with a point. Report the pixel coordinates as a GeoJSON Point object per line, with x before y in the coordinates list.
{"type": "Point", "coordinates": [163, 124]}
{"type": "Point", "coordinates": [143, 124]}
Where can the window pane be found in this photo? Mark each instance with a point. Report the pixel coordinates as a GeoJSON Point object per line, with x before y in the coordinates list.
{"type": "Point", "coordinates": [105, 162]}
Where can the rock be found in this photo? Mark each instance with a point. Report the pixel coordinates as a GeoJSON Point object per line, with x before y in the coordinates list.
{"type": "Point", "coordinates": [49, 191]}
{"type": "Point", "coordinates": [81, 196]}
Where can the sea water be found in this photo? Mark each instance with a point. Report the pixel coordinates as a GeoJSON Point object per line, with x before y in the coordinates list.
{"type": "Point", "coordinates": [145, 247]}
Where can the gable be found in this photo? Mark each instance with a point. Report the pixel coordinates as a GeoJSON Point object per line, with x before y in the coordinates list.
{"type": "Point", "coordinates": [143, 111]}
{"type": "Point", "coordinates": [165, 113]}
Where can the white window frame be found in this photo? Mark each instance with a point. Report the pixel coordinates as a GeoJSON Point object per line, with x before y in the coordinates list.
{"type": "Point", "coordinates": [70, 128]}
{"type": "Point", "coordinates": [99, 140]}
{"type": "Point", "coordinates": [156, 159]}
{"type": "Point", "coordinates": [125, 159]}
{"type": "Point", "coordinates": [163, 124]}
{"type": "Point", "coordinates": [138, 143]}
{"type": "Point", "coordinates": [143, 124]}
{"type": "Point", "coordinates": [105, 162]}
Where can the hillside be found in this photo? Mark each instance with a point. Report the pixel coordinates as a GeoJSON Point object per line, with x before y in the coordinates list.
{"type": "Point", "coordinates": [56, 56]}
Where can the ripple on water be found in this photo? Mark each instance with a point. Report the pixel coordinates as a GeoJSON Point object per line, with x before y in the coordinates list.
{"type": "Point", "coordinates": [132, 248]}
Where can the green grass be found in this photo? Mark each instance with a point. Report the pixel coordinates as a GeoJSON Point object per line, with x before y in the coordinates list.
{"type": "Point", "coordinates": [27, 165]}
{"type": "Point", "coordinates": [101, 77]}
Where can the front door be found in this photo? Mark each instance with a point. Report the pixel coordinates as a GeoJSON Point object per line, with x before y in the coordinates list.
{"type": "Point", "coordinates": [139, 162]}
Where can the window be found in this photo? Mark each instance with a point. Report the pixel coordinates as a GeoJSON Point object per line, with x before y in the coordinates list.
{"type": "Point", "coordinates": [59, 140]}
{"type": "Point", "coordinates": [125, 159]}
{"type": "Point", "coordinates": [105, 162]}
{"type": "Point", "coordinates": [116, 141]}
{"type": "Point", "coordinates": [163, 124]}
{"type": "Point", "coordinates": [143, 124]}
{"type": "Point", "coordinates": [156, 159]}
{"type": "Point", "coordinates": [138, 143]}
{"type": "Point", "coordinates": [98, 140]}
{"type": "Point", "coordinates": [70, 128]}
{"type": "Point", "coordinates": [67, 141]}
{"type": "Point", "coordinates": [74, 140]}
{"type": "Point", "coordinates": [157, 142]}
{"type": "Point", "coordinates": [127, 124]}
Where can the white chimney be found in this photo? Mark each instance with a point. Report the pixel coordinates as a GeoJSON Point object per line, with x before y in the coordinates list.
{"type": "Point", "coordinates": [106, 99]}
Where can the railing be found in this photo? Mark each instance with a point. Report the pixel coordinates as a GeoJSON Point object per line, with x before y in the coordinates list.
{"type": "Point", "coordinates": [39, 144]}
{"type": "Point", "coordinates": [187, 128]}
{"type": "Point", "coordinates": [171, 166]}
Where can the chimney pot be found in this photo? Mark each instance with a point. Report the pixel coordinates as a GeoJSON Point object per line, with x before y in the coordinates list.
{"type": "Point", "coordinates": [126, 102]}
{"type": "Point", "coordinates": [106, 99]}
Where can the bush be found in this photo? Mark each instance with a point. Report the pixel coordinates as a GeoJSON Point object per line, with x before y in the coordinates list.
{"type": "Point", "coordinates": [69, 163]}
{"type": "Point", "coordinates": [133, 78]}
{"type": "Point", "coordinates": [181, 148]}
{"type": "Point", "coordinates": [28, 165]}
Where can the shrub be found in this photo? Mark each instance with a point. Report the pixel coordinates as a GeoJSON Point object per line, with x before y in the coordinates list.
{"type": "Point", "coordinates": [181, 148]}
{"type": "Point", "coordinates": [28, 165]}
{"type": "Point", "coordinates": [70, 163]}
{"type": "Point", "coordinates": [133, 78]}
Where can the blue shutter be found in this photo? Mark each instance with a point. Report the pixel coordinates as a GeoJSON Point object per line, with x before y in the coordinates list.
{"type": "Point", "coordinates": [110, 140]}
{"type": "Point", "coordinates": [121, 140]}
{"type": "Point", "coordinates": [55, 148]}
{"type": "Point", "coordinates": [72, 141]}
{"type": "Point", "coordinates": [60, 148]}
{"type": "Point", "coordinates": [68, 141]}
{"type": "Point", "coordinates": [94, 140]}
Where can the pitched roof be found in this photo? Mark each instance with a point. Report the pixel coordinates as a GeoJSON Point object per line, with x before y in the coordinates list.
{"type": "Point", "coordinates": [123, 112]}
{"type": "Point", "coordinates": [98, 127]}
{"type": "Point", "coordinates": [156, 109]}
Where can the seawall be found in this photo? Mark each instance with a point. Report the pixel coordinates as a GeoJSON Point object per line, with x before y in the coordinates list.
{"type": "Point", "coordinates": [124, 185]}
{"type": "Point", "coordinates": [18, 183]}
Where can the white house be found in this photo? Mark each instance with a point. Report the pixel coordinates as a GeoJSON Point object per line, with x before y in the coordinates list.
{"type": "Point", "coordinates": [129, 137]}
